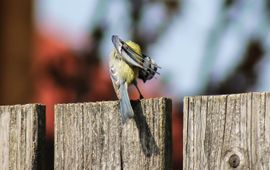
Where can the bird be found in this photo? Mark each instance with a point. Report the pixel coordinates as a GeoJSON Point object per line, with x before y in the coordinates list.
{"type": "Point", "coordinates": [127, 63]}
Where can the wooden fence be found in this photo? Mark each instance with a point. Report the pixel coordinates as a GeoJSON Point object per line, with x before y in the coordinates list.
{"type": "Point", "coordinates": [220, 132]}
{"type": "Point", "coordinates": [227, 132]}
{"type": "Point", "coordinates": [88, 136]}
{"type": "Point", "coordinates": [22, 132]}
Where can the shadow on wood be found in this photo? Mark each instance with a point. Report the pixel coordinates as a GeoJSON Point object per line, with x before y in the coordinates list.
{"type": "Point", "coordinates": [91, 136]}
{"type": "Point", "coordinates": [148, 143]}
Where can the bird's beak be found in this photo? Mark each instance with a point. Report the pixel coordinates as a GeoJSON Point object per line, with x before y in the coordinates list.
{"type": "Point", "coordinates": [117, 42]}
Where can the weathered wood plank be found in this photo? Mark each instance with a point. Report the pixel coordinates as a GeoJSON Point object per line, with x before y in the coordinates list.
{"type": "Point", "coordinates": [91, 136]}
{"type": "Point", "coordinates": [227, 131]}
{"type": "Point", "coordinates": [22, 134]}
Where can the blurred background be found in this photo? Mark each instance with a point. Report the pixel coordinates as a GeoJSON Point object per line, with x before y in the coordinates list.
{"type": "Point", "coordinates": [57, 51]}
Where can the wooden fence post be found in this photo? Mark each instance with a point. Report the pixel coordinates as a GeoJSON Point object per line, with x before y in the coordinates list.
{"type": "Point", "coordinates": [22, 133]}
{"type": "Point", "coordinates": [227, 131]}
{"type": "Point", "coordinates": [91, 136]}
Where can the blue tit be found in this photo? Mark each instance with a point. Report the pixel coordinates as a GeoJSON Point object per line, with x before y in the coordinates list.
{"type": "Point", "coordinates": [127, 63]}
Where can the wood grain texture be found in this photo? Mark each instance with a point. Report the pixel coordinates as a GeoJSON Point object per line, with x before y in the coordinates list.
{"type": "Point", "coordinates": [91, 136]}
{"type": "Point", "coordinates": [227, 131]}
{"type": "Point", "coordinates": [22, 134]}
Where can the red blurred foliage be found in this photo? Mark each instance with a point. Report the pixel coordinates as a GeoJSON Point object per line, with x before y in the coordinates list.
{"type": "Point", "coordinates": [59, 72]}
{"type": "Point", "coordinates": [61, 76]}
{"type": "Point", "coordinates": [48, 53]}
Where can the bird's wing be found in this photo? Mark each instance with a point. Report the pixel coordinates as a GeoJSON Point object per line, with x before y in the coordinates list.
{"type": "Point", "coordinates": [135, 59]}
{"type": "Point", "coordinates": [131, 57]}
{"type": "Point", "coordinates": [115, 79]}
{"type": "Point", "coordinates": [148, 74]}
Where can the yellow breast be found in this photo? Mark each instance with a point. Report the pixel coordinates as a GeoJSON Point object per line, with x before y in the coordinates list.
{"type": "Point", "coordinates": [125, 72]}
{"type": "Point", "coordinates": [128, 73]}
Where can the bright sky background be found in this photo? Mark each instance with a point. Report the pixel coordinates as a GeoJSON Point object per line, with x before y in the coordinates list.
{"type": "Point", "coordinates": [180, 51]}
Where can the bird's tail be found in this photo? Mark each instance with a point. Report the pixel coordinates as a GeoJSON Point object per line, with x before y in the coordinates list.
{"type": "Point", "coordinates": [125, 106]}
